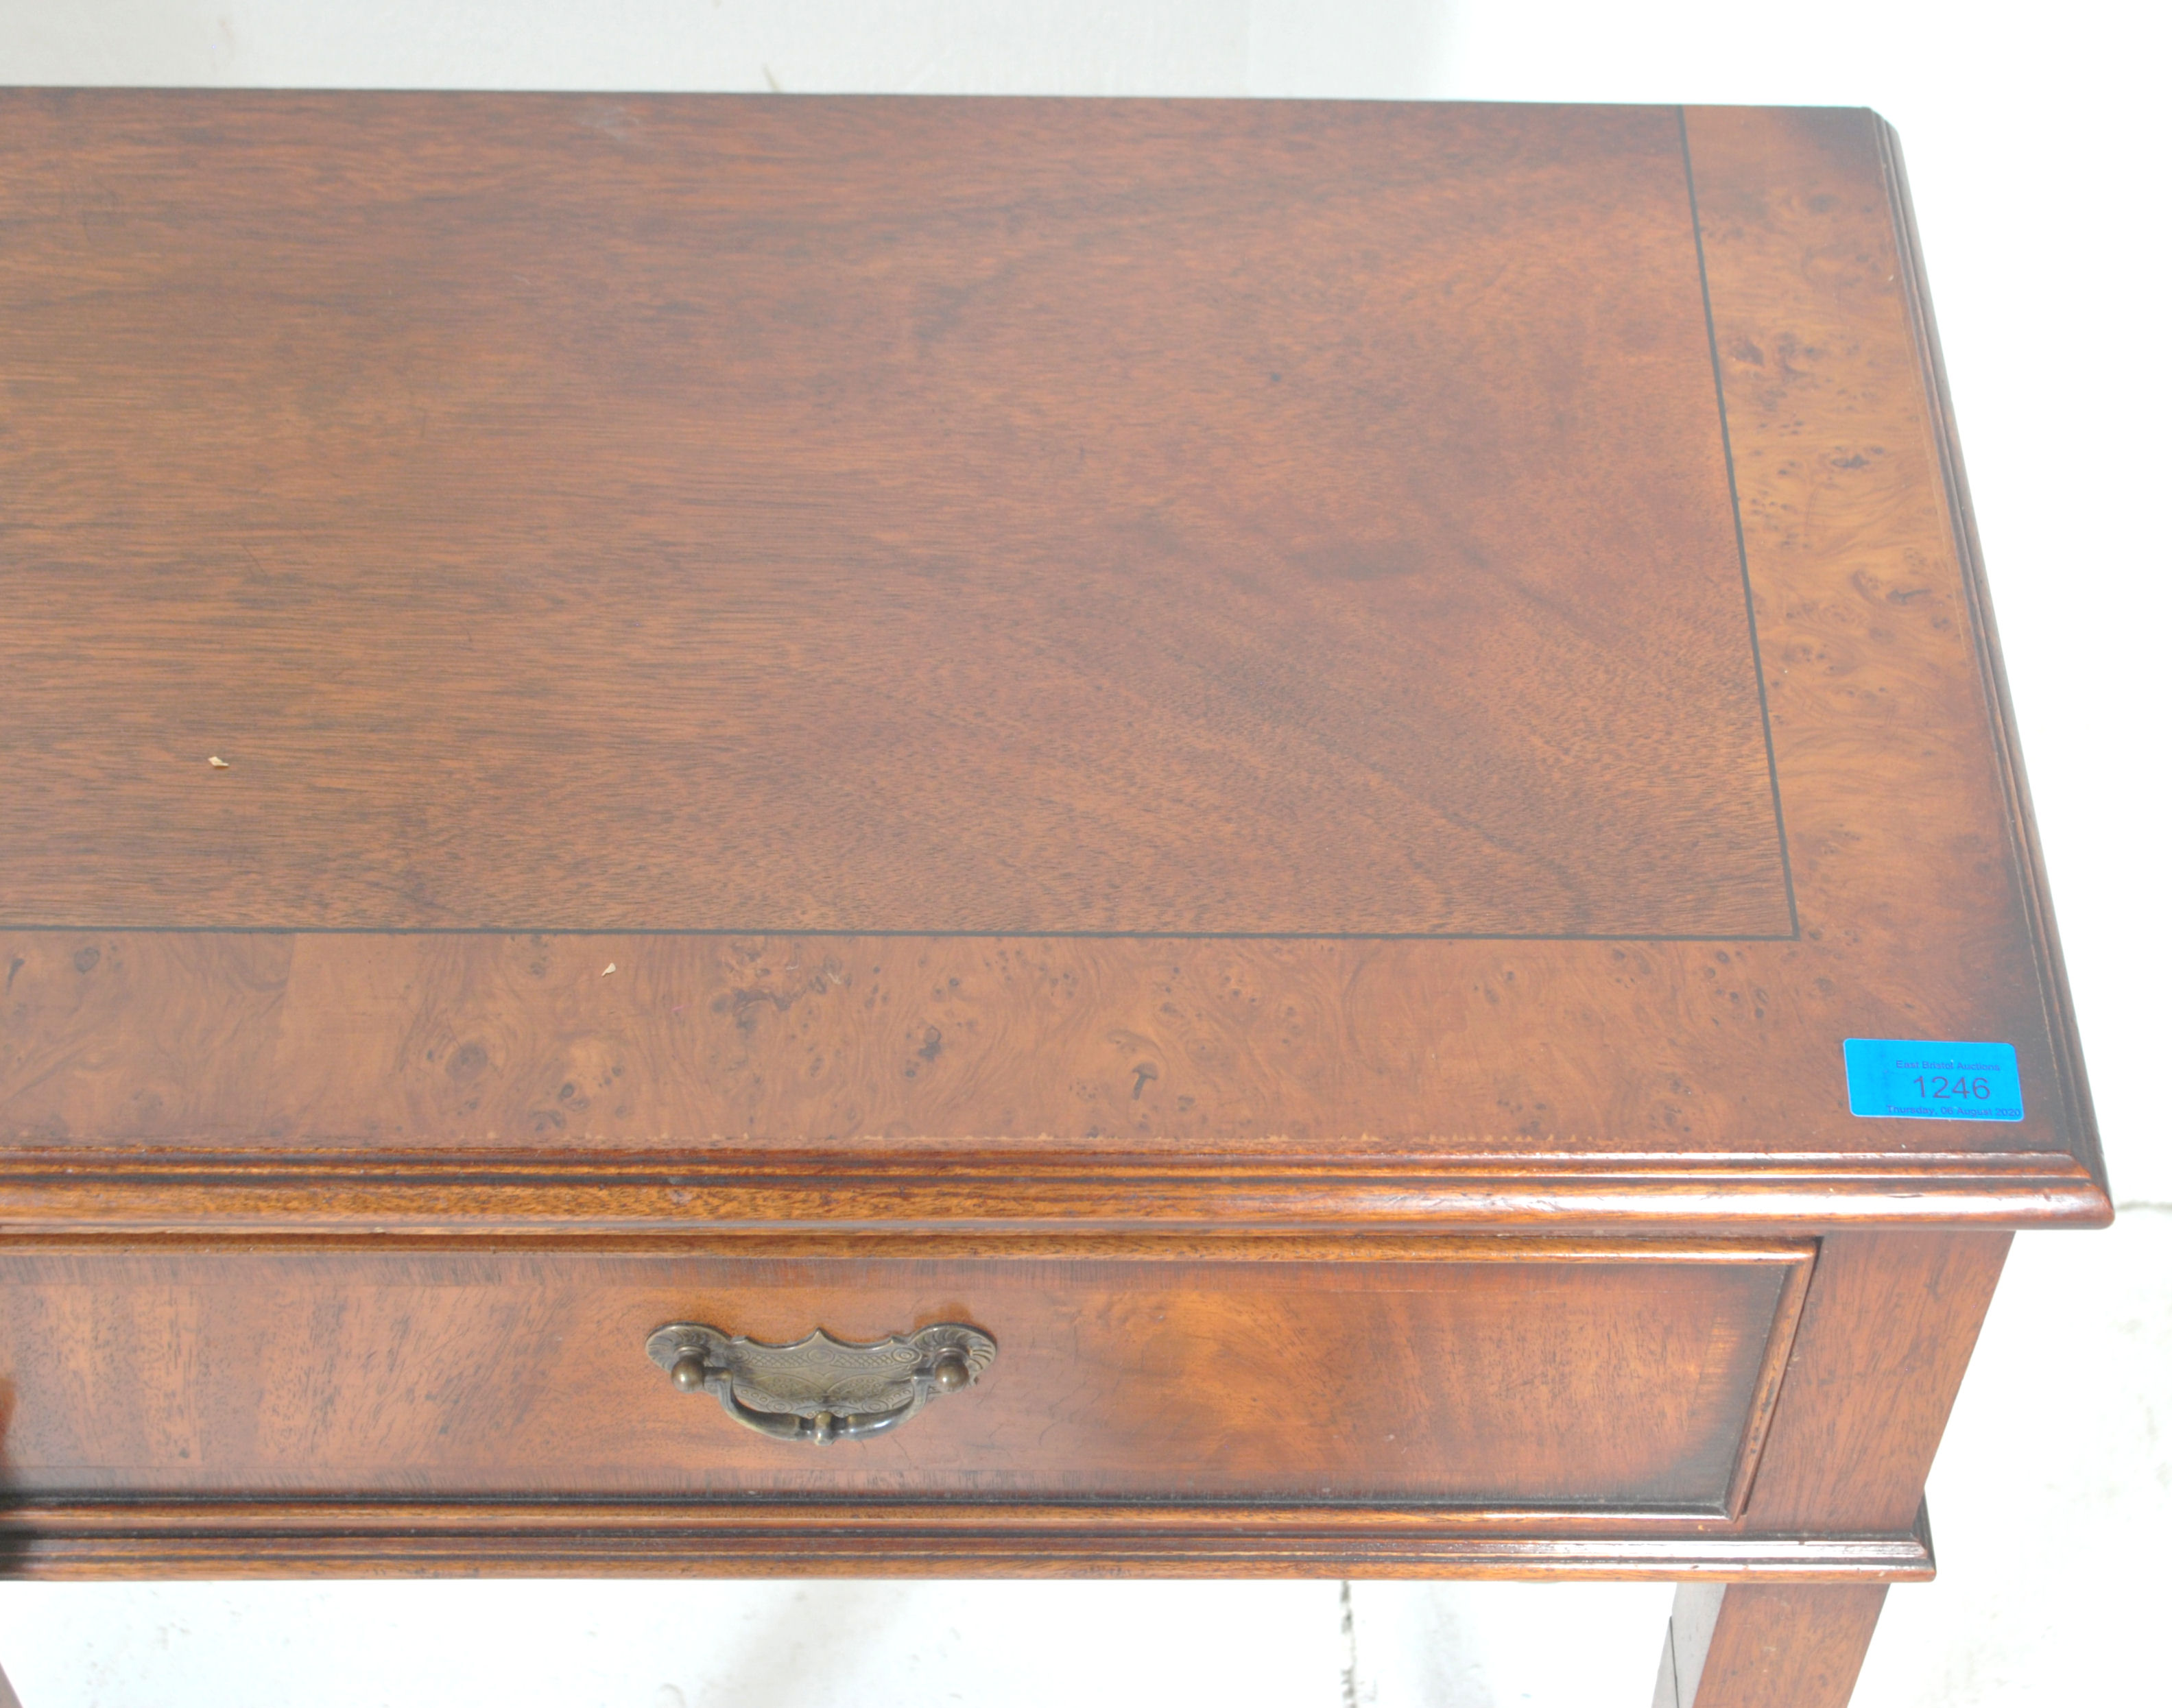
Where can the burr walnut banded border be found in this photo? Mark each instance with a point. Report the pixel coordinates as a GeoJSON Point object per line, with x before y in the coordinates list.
{"type": "Point", "coordinates": [1702, 1076]}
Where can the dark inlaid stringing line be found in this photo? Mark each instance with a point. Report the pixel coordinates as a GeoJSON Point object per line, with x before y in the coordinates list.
{"type": "Point", "coordinates": [1793, 934]}
{"type": "Point", "coordinates": [1735, 504]}
{"type": "Point", "coordinates": [2023, 841]}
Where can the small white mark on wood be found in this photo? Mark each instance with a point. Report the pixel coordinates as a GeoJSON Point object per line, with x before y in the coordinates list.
{"type": "Point", "coordinates": [609, 971]}
{"type": "Point", "coordinates": [220, 765]}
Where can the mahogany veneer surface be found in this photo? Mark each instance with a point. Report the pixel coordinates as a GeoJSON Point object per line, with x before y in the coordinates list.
{"type": "Point", "coordinates": [1262, 750]}
{"type": "Point", "coordinates": [837, 631]}
{"type": "Point", "coordinates": [1529, 1378]}
{"type": "Point", "coordinates": [916, 516]}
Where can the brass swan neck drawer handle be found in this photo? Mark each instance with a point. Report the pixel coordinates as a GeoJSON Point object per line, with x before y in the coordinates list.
{"type": "Point", "coordinates": [819, 1389]}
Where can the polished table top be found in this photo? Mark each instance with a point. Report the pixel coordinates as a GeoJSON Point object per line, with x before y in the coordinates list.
{"type": "Point", "coordinates": [1256, 660]}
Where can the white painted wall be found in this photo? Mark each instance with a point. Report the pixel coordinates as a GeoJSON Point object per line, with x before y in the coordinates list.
{"type": "Point", "coordinates": [2034, 137]}
{"type": "Point", "coordinates": [1113, 47]}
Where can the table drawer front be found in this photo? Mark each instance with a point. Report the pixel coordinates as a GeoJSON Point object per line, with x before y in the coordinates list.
{"type": "Point", "coordinates": [1483, 1373]}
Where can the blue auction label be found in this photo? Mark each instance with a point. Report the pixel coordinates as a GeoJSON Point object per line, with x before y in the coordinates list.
{"type": "Point", "coordinates": [1925, 1080]}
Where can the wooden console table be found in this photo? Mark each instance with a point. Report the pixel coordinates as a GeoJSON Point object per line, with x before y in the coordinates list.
{"type": "Point", "coordinates": [864, 836]}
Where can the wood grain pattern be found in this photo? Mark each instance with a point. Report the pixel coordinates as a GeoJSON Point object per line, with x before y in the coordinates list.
{"type": "Point", "coordinates": [1459, 1055]}
{"type": "Point", "coordinates": [1884, 1341]}
{"type": "Point", "coordinates": [506, 1046]}
{"type": "Point", "coordinates": [1099, 718]}
{"type": "Point", "coordinates": [922, 516]}
{"type": "Point", "coordinates": [210, 1539]}
{"type": "Point", "coordinates": [1766, 1646]}
{"type": "Point", "coordinates": [994, 1201]}
{"type": "Point", "coordinates": [1471, 1374]}
{"type": "Point", "coordinates": [2035, 892]}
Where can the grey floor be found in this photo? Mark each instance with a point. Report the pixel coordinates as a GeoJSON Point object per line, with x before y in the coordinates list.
{"type": "Point", "coordinates": [2051, 1502]}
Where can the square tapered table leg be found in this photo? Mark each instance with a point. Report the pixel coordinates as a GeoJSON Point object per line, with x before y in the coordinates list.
{"type": "Point", "coordinates": [1766, 1645]}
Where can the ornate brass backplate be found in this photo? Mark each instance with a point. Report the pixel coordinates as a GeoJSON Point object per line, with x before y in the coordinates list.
{"type": "Point", "coordinates": [821, 1390]}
